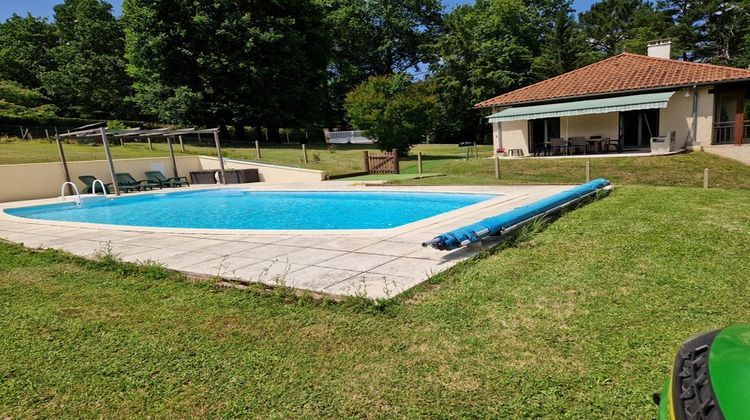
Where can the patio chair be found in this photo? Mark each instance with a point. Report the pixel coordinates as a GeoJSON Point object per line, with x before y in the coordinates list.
{"type": "Point", "coordinates": [608, 144]}
{"type": "Point", "coordinates": [127, 182]}
{"type": "Point", "coordinates": [88, 180]}
{"type": "Point", "coordinates": [542, 148]}
{"type": "Point", "coordinates": [556, 145]}
{"type": "Point", "coordinates": [163, 181]}
{"type": "Point", "coordinates": [576, 144]}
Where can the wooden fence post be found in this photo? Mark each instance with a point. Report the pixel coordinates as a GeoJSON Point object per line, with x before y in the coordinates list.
{"type": "Point", "coordinates": [150, 146]}
{"type": "Point", "coordinates": [705, 178]}
{"type": "Point", "coordinates": [182, 145]}
{"type": "Point", "coordinates": [497, 167]}
{"type": "Point", "coordinates": [257, 149]}
{"type": "Point", "coordinates": [394, 153]}
{"type": "Point", "coordinates": [419, 162]}
{"type": "Point", "coordinates": [304, 151]}
{"type": "Point", "coordinates": [588, 170]}
{"type": "Point", "coordinates": [367, 161]}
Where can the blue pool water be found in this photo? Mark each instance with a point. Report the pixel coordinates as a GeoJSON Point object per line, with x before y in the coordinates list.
{"type": "Point", "coordinates": [239, 209]}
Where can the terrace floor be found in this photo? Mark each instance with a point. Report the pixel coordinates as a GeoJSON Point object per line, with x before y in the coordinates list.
{"type": "Point", "coordinates": [375, 263]}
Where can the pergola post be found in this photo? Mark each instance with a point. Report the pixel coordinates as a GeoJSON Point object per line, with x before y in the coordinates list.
{"type": "Point", "coordinates": [109, 160]}
{"type": "Point", "coordinates": [218, 154]}
{"type": "Point", "coordinates": [171, 155]}
{"type": "Point", "coordinates": [63, 161]}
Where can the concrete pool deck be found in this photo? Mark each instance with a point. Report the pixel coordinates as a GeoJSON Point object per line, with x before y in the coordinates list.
{"type": "Point", "coordinates": [374, 263]}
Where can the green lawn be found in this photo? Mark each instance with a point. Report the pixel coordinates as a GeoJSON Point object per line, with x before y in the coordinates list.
{"type": "Point", "coordinates": [580, 320]}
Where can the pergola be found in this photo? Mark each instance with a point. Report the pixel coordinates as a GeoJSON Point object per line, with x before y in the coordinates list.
{"type": "Point", "coordinates": [99, 131]}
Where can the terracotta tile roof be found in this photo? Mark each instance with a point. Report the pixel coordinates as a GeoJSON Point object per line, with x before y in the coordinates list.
{"type": "Point", "coordinates": [621, 73]}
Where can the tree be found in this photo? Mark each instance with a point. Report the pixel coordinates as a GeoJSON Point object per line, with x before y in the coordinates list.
{"type": "Point", "coordinates": [613, 26]}
{"type": "Point", "coordinates": [18, 101]}
{"type": "Point", "coordinates": [727, 35]}
{"type": "Point", "coordinates": [564, 47]}
{"type": "Point", "coordinates": [227, 62]}
{"type": "Point", "coordinates": [687, 25]}
{"type": "Point", "coordinates": [373, 38]}
{"type": "Point", "coordinates": [487, 49]}
{"type": "Point", "coordinates": [394, 111]}
{"type": "Point", "coordinates": [88, 78]}
{"type": "Point", "coordinates": [24, 49]}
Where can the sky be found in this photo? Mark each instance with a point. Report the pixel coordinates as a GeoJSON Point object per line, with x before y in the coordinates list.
{"type": "Point", "coordinates": [44, 7]}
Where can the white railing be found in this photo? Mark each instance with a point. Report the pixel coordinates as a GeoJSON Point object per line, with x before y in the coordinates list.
{"type": "Point", "coordinates": [353, 137]}
{"type": "Point", "coordinates": [76, 198]}
{"type": "Point", "coordinates": [100, 182]}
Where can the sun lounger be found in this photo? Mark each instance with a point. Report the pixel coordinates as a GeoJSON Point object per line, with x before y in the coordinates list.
{"type": "Point", "coordinates": [88, 180]}
{"type": "Point", "coordinates": [159, 178]}
{"type": "Point", "coordinates": [127, 182]}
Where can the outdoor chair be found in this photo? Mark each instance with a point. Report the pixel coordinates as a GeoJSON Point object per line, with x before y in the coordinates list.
{"type": "Point", "coordinates": [542, 148]}
{"type": "Point", "coordinates": [608, 144]}
{"type": "Point", "coordinates": [556, 145]}
{"type": "Point", "coordinates": [88, 180]}
{"type": "Point", "coordinates": [159, 178]}
{"type": "Point", "coordinates": [577, 144]}
{"type": "Point", "coordinates": [128, 183]}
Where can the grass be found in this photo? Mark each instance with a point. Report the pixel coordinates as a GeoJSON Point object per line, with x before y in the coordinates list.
{"type": "Point", "coordinates": [678, 170]}
{"type": "Point", "coordinates": [580, 320]}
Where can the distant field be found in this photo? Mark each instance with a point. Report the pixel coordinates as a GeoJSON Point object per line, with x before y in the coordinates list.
{"type": "Point", "coordinates": [678, 170]}
{"type": "Point", "coordinates": [342, 159]}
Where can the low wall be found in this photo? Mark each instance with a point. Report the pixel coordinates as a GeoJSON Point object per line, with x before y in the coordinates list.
{"type": "Point", "coordinates": [44, 180]}
{"type": "Point", "coordinates": [267, 173]}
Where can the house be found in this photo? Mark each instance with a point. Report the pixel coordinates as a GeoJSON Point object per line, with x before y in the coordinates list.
{"type": "Point", "coordinates": [645, 103]}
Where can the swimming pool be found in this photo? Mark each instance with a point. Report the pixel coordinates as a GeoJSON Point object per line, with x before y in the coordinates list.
{"type": "Point", "coordinates": [243, 209]}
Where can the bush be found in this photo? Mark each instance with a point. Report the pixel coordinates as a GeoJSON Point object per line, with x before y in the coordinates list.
{"type": "Point", "coordinates": [394, 111]}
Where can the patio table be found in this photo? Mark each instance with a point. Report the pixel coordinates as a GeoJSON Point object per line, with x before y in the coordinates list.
{"type": "Point", "coordinates": [595, 145]}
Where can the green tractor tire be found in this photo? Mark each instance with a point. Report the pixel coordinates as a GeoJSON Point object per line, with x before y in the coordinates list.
{"type": "Point", "coordinates": [710, 378]}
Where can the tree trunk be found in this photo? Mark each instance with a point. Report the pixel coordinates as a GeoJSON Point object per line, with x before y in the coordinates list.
{"type": "Point", "coordinates": [223, 132]}
{"type": "Point", "coordinates": [239, 132]}
{"type": "Point", "coordinates": [273, 134]}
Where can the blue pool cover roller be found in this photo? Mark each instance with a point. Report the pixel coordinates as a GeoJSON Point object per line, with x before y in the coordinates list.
{"type": "Point", "coordinates": [494, 226]}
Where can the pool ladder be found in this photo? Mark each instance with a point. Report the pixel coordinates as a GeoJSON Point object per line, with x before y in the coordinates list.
{"type": "Point", "coordinates": [76, 198]}
{"type": "Point", "coordinates": [100, 182]}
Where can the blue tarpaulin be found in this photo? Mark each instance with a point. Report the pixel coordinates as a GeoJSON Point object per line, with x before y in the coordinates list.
{"type": "Point", "coordinates": [495, 225]}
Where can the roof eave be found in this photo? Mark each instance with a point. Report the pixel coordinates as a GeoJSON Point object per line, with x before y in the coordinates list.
{"type": "Point", "coordinates": [613, 93]}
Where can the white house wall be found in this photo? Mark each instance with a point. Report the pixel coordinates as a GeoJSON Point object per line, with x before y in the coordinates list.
{"type": "Point", "coordinates": [605, 125]}
{"type": "Point", "coordinates": [678, 116]}
{"type": "Point", "coordinates": [513, 135]}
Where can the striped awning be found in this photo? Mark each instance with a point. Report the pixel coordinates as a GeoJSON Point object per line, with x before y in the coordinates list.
{"type": "Point", "coordinates": [590, 106]}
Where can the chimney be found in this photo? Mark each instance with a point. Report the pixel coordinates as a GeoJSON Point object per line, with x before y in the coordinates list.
{"type": "Point", "coordinates": [660, 49]}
